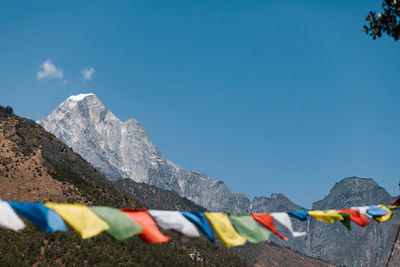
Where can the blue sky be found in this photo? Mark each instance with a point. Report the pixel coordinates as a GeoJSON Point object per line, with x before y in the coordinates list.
{"type": "Point", "coordinates": [268, 96]}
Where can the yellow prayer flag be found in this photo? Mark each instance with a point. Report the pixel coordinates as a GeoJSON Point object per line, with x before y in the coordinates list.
{"type": "Point", "coordinates": [386, 217]}
{"type": "Point", "coordinates": [326, 216]}
{"type": "Point", "coordinates": [81, 218]}
{"type": "Point", "coordinates": [224, 229]}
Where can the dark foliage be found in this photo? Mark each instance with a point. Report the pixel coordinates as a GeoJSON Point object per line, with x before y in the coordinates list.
{"type": "Point", "coordinates": [387, 22]}
{"type": "Point", "coordinates": [6, 110]}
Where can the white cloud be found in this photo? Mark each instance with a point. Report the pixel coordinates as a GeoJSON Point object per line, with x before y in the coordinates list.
{"type": "Point", "coordinates": [88, 73]}
{"type": "Point", "coordinates": [50, 71]}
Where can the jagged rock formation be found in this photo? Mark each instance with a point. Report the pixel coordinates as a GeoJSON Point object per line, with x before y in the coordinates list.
{"type": "Point", "coordinates": [124, 150]}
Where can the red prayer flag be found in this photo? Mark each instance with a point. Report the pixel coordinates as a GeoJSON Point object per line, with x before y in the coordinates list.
{"type": "Point", "coordinates": [396, 203]}
{"type": "Point", "coordinates": [357, 217]}
{"type": "Point", "coordinates": [266, 220]}
{"type": "Point", "coordinates": [150, 234]}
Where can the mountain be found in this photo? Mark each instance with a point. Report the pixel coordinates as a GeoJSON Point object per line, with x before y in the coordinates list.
{"type": "Point", "coordinates": [36, 166]}
{"type": "Point", "coordinates": [124, 150]}
{"type": "Point", "coordinates": [373, 243]}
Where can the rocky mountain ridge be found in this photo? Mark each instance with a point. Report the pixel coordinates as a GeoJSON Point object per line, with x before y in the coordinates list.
{"type": "Point", "coordinates": [124, 150]}
{"type": "Point", "coordinates": [36, 166]}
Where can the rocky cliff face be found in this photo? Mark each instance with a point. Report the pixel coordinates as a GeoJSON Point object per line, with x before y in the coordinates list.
{"type": "Point", "coordinates": [124, 150]}
{"type": "Point", "coordinates": [367, 246]}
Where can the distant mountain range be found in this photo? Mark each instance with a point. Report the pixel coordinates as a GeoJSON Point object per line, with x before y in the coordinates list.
{"type": "Point", "coordinates": [124, 150]}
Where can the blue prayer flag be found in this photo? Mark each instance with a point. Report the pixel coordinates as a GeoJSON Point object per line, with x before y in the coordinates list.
{"type": "Point", "coordinates": [43, 217]}
{"type": "Point", "coordinates": [200, 220]}
{"type": "Point", "coordinates": [300, 214]}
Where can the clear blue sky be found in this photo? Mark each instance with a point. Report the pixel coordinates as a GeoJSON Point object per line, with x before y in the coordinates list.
{"type": "Point", "coordinates": [270, 97]}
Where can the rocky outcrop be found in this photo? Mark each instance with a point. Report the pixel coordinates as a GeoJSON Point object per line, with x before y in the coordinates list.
{"type": "Point", "coordinates": [124, 150]}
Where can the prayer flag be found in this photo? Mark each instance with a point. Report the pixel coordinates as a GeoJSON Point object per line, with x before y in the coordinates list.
{"type": "Point", "coordinates": [362, 210]}
{"type": "Point", "coordinates": [224, 229]}
{"type": "Point", "coordinates": [150, 234]}
{"type": "Point", "coordinates": [9, 219]}
{"type": "Point", "coordinates": [329, 216]}
{"type": "Point", "coordinates": [121, 225]}
{"type": "Point", "coordinates": [357, 217]}
{"type": "Point", "coordinates": [81, 218]}
{"type": "Point", "coordinates": [376, 211]}
{"type": "Point", "coordinates": [386, 217]}
{"type": "Point", "coordinates": [300, 214]}
{"type": "Point", "coordinates": [346, 220]}
{"type": "Point", "coordinates": [43, 217]}
{"type": "Point", "coordinates": [395, 203]}
{"type": "Point", "coordinates": [174, 220]}
{"type": "Point", "coordinates": [249, 228]}
{"type": "Point", "coordinates": [266, 220]}
{"type": "Point", "coordinates": [200, 220]}
{"type": "Point", "coordinates": [284, 219]}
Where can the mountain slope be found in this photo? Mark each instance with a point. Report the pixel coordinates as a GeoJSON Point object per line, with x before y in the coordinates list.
{"type": "Point", "coordinates": [36, 166]}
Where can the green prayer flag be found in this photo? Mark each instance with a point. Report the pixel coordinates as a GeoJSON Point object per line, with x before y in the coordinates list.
{"type": "Point", "coordinates": [121, 225]}
{"type": "Point", "coordinates": [346, 220]}
{"type": "Point", "coordinates": [249, 228]}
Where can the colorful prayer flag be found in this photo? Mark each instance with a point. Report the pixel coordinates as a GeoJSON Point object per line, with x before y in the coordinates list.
{"type": "Point", "coordinates": [249, 228]}
{"type": "Point", "coordinates": [357, 217]}
{"type": "Point", "coordinates": [150, 234]}
{"type": "Point", "coordinates": [174, 220]}
{"type": "Point", "coordinates": [200, 220]}
{"type": "Point", "coordinates": [81, 218]}
{"type": "Point", "coordinates": [224, 229]}
{"type": "Point", "coordinates": [9, 219]}
{"type": "Point", "coordinates": [386, 217]}
{"type": "Point", "coordinates": [266, 220]}
{"type": "Point", "coordinates": [121, 225]}
{"type": "Point", "coordinates": [284, 219]}
{"type": "Point", "coordinates": [43, 217]}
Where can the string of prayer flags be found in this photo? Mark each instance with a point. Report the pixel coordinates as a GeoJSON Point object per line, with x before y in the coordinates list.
{"type": "Point", "coordinates": [232, 229]}
{"type": "Point", "coordinates": [174, 220]}
{"type": "Point", "coordinates": [284, 219]}
{"type": "Point", "coordinates": [266, 220]}
{"type": "Point", "coordinates": [41, 216]}
{"type": "Point", "coordinates": [249, 228]}
{"type": "Point", "coordinates": [357, 217]}
{"type": "Point", "coordinates": [9, 219]}
{"type": "Point", "coordinates": [386, 217]}
{"type": "Point", "coordinates": [150, 233]}
{"type": "Point", "coordinates": [224, 229]}
{"type": "Point", "coordinates": [121, 225]}
{"type": "Point", "coordinates": [81, 218]}
{"type": "Point", "coordinates": [199, 219]}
